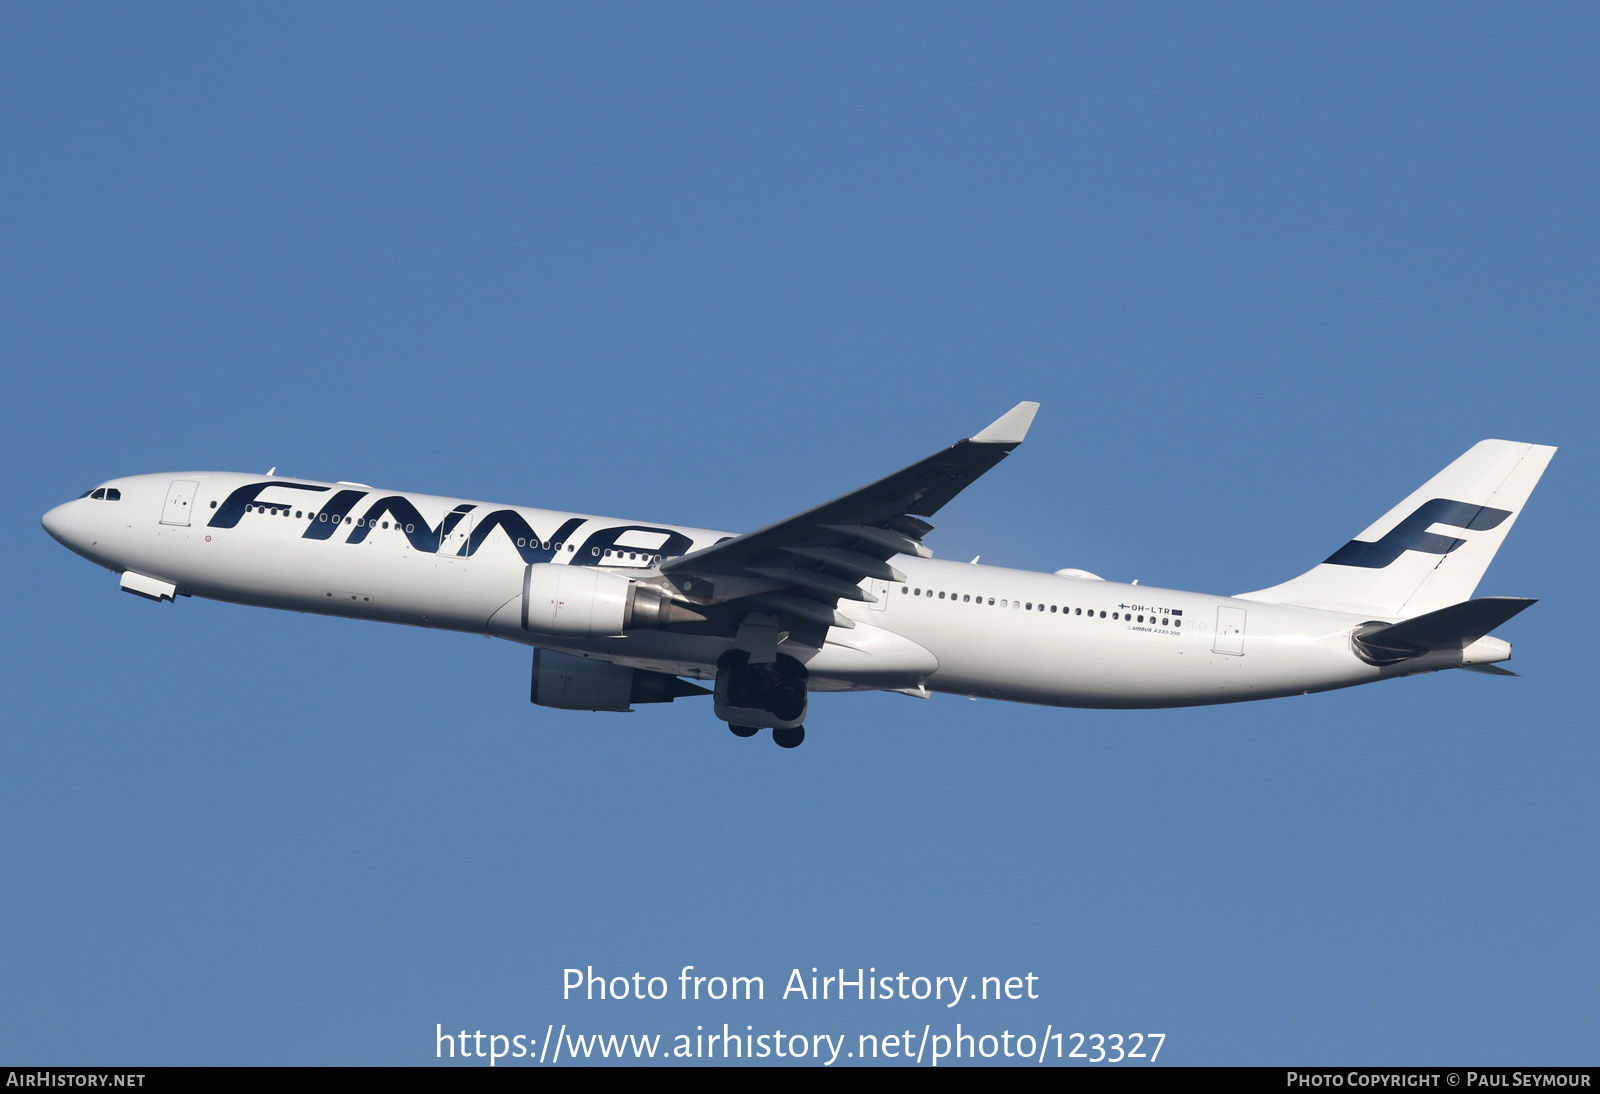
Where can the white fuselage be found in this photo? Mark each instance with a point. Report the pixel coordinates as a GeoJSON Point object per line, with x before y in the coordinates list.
{"type": "Point", "coordinates": [351, 550]}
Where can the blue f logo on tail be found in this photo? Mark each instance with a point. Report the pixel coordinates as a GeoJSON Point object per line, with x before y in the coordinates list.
{"type": "Point", "coordinates": [1412, 533]}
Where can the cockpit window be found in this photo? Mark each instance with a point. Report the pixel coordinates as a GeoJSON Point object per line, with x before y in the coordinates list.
{"type": "Point", "coordinates": [99, 495]}
{"type": "Point", "coordinates": [113, 494]}
{"type": "Point", "coordinates": [102, 493]}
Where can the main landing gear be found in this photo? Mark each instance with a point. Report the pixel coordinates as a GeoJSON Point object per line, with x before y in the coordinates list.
{"type": "Point", "coordinates": [783, 738]}
{"type": "Point", "coordinates": [766, 695]}
{"type": "Point", "coordinates": [789, 738]}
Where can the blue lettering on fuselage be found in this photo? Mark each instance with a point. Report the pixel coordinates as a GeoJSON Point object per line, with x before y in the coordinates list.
{"type": "Point", "coordinates": [418, 533]}
{"type": "Point", "coordinates": [229, 512]}
{"type": "Point", "coordinates": [425, 538]}
{"type": "Point", "coordinates": [593, 551]}
{"type": "Point", "coordinates": [529, 544]}
{"type": "Point", "coordinates": [327, 520]}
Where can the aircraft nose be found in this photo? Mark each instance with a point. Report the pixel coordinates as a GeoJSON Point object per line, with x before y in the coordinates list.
{"type": "Point", "coordinates": [66, 526]}
{"type": "Point", "coordinates": [55, 522]}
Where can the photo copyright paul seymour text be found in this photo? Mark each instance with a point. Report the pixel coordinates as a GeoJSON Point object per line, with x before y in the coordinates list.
{"type": "Point", "coordinates": [1471, 1080]}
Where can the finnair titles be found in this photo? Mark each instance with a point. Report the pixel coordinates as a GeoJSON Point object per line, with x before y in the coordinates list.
{"type": "Point", "coordinates": [843, 596]}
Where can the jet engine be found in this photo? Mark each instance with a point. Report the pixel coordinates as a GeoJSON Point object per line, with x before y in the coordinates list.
{"type": "Point", "coordinates": [591, 603]}
{"type": "Point", "coordinates": [579, 683]}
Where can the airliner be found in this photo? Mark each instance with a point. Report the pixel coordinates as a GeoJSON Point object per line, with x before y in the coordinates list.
{"type": "Point", "coordinates": [841, 597]}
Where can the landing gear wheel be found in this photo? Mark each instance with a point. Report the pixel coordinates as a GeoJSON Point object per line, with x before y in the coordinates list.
{"type": "Point", "coordinates": [789, 738]}
{"type": "Point", "coordinates": [743, 731]}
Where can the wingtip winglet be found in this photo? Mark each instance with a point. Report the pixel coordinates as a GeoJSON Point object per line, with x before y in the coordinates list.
{"type": "Point", "coordinates": [1011, 427]}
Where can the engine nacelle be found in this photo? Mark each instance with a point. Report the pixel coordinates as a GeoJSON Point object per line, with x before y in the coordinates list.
{"type": "Point", "coordinates": [587, 602]}
{"type": "Point", "coordinates": [580, 683]}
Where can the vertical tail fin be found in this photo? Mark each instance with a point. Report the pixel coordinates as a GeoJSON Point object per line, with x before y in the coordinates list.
{"type": "Point", "coordinates": [1432, 549]}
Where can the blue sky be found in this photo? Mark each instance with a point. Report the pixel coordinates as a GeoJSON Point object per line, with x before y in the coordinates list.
{"type": "Point", "coordinates": [1266, 268]}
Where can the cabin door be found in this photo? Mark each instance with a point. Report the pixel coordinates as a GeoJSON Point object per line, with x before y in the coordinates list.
{"type": "Point", "coordinates": [180, 496]}
{"type": "Point", "coordinates": [1230, 632]}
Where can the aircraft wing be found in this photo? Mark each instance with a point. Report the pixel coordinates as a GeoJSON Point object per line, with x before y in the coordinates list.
{"type": "Point", "coordinates": [805, 564]}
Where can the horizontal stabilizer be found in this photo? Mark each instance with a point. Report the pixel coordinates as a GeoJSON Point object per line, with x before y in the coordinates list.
{"type": "Point", "coordinates": [1452, 628]}
{"type": "Point", "coordinates": [1491, 670]}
